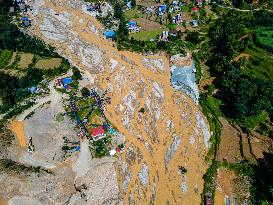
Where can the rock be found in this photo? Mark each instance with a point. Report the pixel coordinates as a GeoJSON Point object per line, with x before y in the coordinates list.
{"type": "Point", "coordinates": [205, 130]}
{"type": "Point", "coordinates": [172, 148]}
{"type": "Point", "coordinates": [126, 176]}
{"type": "Point", "coordinates": [154, 64]}
{"type": "Point", "coordinates": [130, 155]}
{"type": "Point", "coordinates": [143, 175]}
{"type": "Point", "coordinates": [184, 185]}
{"type": "Point", "coordinates": [131, 198]}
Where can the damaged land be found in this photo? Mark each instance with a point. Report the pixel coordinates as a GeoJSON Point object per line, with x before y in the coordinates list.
{"type": "Point", "coordinates": [163, 129]}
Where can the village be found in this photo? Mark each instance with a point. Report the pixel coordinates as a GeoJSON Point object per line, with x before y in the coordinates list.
{"type": "Point", "coordinates": [145, 21]}
{"type": "Point", "coordinates": [87, 109]}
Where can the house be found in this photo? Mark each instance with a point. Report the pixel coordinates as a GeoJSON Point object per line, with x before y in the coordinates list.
{"type": "Point", "coordinates": [173, 33]}
{"type": "Point", "coordinates": [199, 2]}
{"type": "Point", "coordinates": [66, 82]}
{"type": "Point", "coordinates": [164, 36]}
{"type": "Point", "coordinates": [194, 23]}
{"type": "Point", "coordinates": [110, 34]}
{"type": "Point", "coordinates": [112, 152]}
{"type": "Point", "coordinates": [25, 21]}
{"type": "Point", "coordinates": [129, 5]}
{"type": "Point", "coordinates": [162, 8]}
{"type": "Point", "coordinates": [98, 133]}
{"type": "Point", "coordinates": [131, 24]}
{"type": "Point", "coordinates": [34, 89]}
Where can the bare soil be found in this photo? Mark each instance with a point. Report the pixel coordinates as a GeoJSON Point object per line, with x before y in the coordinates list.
{"type": "Point", "coordinates": [229, 148]}
{"type": "Point", "coordinates": [18, 130]}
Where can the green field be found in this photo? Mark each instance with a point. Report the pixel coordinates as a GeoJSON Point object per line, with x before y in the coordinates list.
{"type": "Point", "coordinates": [5, 57]}
{"type": "Point", "coordinates": [260, 64]}
{"type": "Point", "coordinates": [264, 37]}
{"type": "Point", "coordinates": [133, 14]}
{"type": "Point", "coordinates": [147, 35]}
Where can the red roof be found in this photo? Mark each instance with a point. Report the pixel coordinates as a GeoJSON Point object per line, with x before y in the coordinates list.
{"type": "Point", "coordinates": [97, 131]}
{"type": "Point", "coordinates": [195, 9]}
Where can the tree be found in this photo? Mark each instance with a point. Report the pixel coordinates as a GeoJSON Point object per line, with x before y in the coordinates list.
{"type": "Point", "coordinates": [117, 10]}
{"type": "Point", "coordinates": [193, 37]}
{"type": "Point", "coordinates": [76, 74]}
{"type": "Point", "coordinates": [85, 92]}
{"type": "Point", "coordinates": [133, 3]}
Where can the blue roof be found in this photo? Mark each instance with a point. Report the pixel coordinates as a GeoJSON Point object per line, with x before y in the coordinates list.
{"type": "Point", "coordinates": [109, 34]}
{"type": "Point", "coordinates": [24, 19]}
{"type": "Point", "coordinates": [32, 89]}
{"type": "Point", "coordinates": [132, 23]}
{"type": "Point", "coordinates": [129, 4]}
{"type": "Point", "coordinates": [67, 81]}
{"type": "Point", "coordinates": [66, 87]}
{"type": "Point", "coordinates": [163, 7]}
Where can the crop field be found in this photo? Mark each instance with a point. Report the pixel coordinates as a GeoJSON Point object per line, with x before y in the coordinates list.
{"type": "Point", "coordinates": [25, 60]}
{"type": "Point", "coordinates": [48, 63]}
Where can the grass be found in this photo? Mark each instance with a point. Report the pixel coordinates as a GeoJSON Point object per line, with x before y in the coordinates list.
{"type": "Point", "coordinates": [133, 14]}
{"type": "Point", "coordinates": [59, 117]}
{"type": "Point", "coordinates": [260, 64]}
{"type": "Point", "coordinates": [147, 35]}
{"type": "Point", "coordinates": [255, 120]}
{"type": "Point", "coordinates": [5, 57]}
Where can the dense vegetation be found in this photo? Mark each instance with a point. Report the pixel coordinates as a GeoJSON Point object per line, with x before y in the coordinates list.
{"type": "Point", "coordinates": [244, 83]}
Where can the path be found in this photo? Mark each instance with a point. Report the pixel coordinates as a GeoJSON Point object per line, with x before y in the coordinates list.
{"type": "Point", "coordinates": [53, 96]}
{"type": "Point", "coordinates": [83, 163]}
{"type": "Point", "coordinates": [242, 10]}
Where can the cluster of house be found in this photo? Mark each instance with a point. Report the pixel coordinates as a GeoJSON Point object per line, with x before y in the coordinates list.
{"type": "Point", "coordinates": [25, 7]}
{"type": "Point", "coordinates": [177, 19]}
{"type": "Point", "coordinates": [165, 34]}
{"type": "Point", "coordinates": [132, 26]}
{"type": "Point", "coordinates": [93, 7]}
{"type": "Point", "coordinates": [175, 6]}
{"type": "Point", "coordinates": [63, 83]}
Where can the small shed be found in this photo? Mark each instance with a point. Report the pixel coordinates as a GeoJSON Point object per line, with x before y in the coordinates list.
{"type": "Point", "coordinates": [25, 21]}
{"type": "Point", "coordinates": [110, 34]}
{"type": "Point", "coordinates": [195, 9]}
{"type": "Point", "coordinates": [194, 23]}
